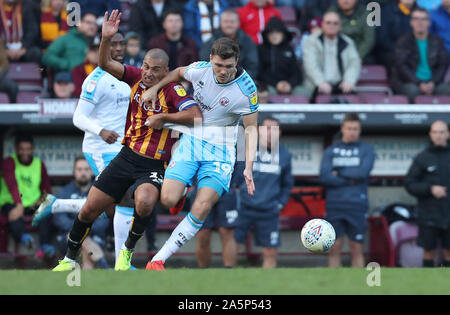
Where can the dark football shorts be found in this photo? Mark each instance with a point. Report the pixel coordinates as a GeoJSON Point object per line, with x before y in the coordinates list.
{"type": "Point", "coordinates": [224, 213]}
{"type": "Point", "coordinates": [350, 222]}
{"type": "Point", "coordinates": [129, 169]}
{"type": "Point", "coordinates": [430, 237]}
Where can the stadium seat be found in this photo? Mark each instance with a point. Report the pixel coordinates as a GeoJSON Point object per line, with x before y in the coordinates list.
{"type": "Point", "coordinates": [27, 75]}
{"type": "Point", "coordinates": [327, 99]}
{"type": "Point", "coordinates": [387, 99]}
{"type": "Point", "coordinates": [289, 15]}
{"type": "Point", "coordinates": [381, 248]}
{"type": "Point", "coordinates": [4, 99]}
{"type": "Point", "coordinates": [432, 99]}
{"type": "Point", "coordinates": [28, 97]}
{"type": "Point", "coordinates": [373, 74]}
{"type": "Point", "coordinates": [288, 99]}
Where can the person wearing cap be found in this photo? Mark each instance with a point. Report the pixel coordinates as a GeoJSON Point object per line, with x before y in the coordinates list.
{"type": "Point", "coordinates": [80, 72]}
{"type": "Point", "coordinates": [330, 60]}
{"type": "Point", "coordinates": [134, 55]}
{"type": "Point", "coordinates": [63, 86]}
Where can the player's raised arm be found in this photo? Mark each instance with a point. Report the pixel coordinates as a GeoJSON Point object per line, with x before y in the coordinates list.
{"type": "Point", "coordinates": [251, 144]}
{"type": "Point", "coordinates": [109, 28]}
{"type": "Point", "coordinates": [151, 95]}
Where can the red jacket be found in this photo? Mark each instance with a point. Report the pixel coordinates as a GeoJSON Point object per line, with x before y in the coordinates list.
{"type": "Point", "coordinates": [254, 19]}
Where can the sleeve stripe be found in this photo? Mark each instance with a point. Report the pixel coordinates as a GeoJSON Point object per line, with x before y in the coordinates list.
{"type": "Point", "coordinates": [186, 104]}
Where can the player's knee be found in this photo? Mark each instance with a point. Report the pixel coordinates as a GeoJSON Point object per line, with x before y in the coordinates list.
{"type": "Point", "coordinates": [201, 207]}
{"type": "Point", "coordinates": [144, 205]}
{"type": "Point", "coordinates": [168, 200]}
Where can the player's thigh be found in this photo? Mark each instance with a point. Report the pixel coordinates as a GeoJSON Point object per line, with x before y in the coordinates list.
{"type": "Point", "coordinates": [181, 171]}
{"type": "Point", "coordinates": [96, 202]}
{"type": "Point", "coordinates": [204, 201]}
{"type": "Point", "coordinates": [171, 192]}
{"type": "Point", "coordinates": [267, 231]}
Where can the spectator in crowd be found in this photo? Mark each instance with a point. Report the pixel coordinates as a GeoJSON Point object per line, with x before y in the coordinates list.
{"type": "Point", "coordinates": [99, 7]}
{"type": "Point", "coordinates": [440, 24]}
{"type": "Point", "coordinates": [134, 56]}
{"type": "Point", "coordinates": [344, 172]}
{"type": "Point", "coordinates": [68, 51]}
{"type": "Point", "coordinates": [182, 50]}
{"type": "Point", "coordinates": [254, 17]}
{"type": "Point", "coordinates": [230, 27]}
{"type": "Point", "coordinates": [354, 25]}
{"type": "Point", "coordinates": [420, 60]}
{"type": "Point", "coordinates": [395, 23]}
{"type": "Point", "coordinates": [330, 60]}
{"type": "Point", "coordinates": [80, 72]}
{"type": "Point", "coordinates": [7, 86]}
{"type": "Point", "coordinates": [273, 182]}
{"type": "Point", "coordinates": [146, 18]}
{"type": "Point", "coordinates": [314, 9]}
{"type": "Point", "coordinates": [25, 181]}
{"type": "Point", "coordinates": [63, 87]}
{"type": "Point", "coordinates": [19, 31]}
{"type": "Point", "coordinates": [315, 25]}
{"type": "Point", "coordinates": [91, 251]}
{"type": "Point", "coordinates": [428, 179]}
{"type": "Point", "coordinates": [296, 4]}
{"type": "Point", "coordinates": [429, 5]}
{"type": "Point", "coordinates": [278, 67]}
{"type": "Point", "coordinates": [53, 22]}
{"type": "Point", "coordinates": [201, 19]}
{"type": "Point", "coordinates": [223, 217]}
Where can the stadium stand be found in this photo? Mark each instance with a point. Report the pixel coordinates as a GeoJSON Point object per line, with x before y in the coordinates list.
{"type": "Point", "coordinates": [326, 99]}
{"type": "Point", "coordinates": [28, 97]}
{"type": "Point", "coordinates": [27, 75]}
{"type": "Point", "coordinates": [4, 99]}
{"type": "Point", "coordinates": [432, 99]}
{"type": "Point", "coordinates": [289, 16]}
{"type": "Point", "coordinates": [386, 99]}
{"type": "Point", "coordinates": [288, 99]}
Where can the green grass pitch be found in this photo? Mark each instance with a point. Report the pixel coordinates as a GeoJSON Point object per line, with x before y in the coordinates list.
{"type": "Point", "coordinates": [239, 281]}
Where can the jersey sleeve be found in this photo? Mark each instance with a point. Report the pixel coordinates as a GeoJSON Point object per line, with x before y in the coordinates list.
{"type": "Point", "coordinates": [91, 90]}
{"type": "Point", "coordinates": [248, 102]}
{"type": "Point", "coordinates": [131, 75]}
{"type": "Point", "coordinates": [195, 71]}
{"type": "Point", "coordinates": [177, 96]}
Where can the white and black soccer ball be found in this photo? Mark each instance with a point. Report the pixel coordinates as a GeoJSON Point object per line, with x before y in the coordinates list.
{"type": "Point", "coordinates": [318, 236]}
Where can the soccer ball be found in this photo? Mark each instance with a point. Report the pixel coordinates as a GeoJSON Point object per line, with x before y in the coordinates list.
{"type": "Point", "coordinates": [318, 236]}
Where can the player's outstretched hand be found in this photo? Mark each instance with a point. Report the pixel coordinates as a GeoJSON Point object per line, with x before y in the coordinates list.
{"type": "Point", "coordinates": [111, 25]}
{"type": "Point", "coordinates": [150, 97]}
{"type": "Point", "coordinates": [248, 175]}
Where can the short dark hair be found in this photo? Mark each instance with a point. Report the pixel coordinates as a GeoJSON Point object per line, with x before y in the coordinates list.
{"type": "Point", "coordinates": [225, 48]}
{"type": "Point", "coordinates": [79, 158]}
{"type": "Point", "coordinates": [420, 9]}
{"type": "Point", "coordinates": [175, 12]}
{"type": "Point", "coordinates": [23, 137]}
{"type": "Point", "coordinates": [351, 117]}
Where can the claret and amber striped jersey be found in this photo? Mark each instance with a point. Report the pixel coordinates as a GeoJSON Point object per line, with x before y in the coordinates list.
{"type": "Point", "coordinates": [156, 144]}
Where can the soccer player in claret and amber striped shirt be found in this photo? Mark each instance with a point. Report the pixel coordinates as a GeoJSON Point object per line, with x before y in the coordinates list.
{"type": "Point", "coordinates": [146, 151]}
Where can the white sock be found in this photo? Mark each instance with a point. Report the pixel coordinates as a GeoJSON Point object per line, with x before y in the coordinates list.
{"type": "Point", "coordinates": [123, 216]}
{"type": "Point", "coordinates": [184, 231]}
{"type": "Point", "coordinates": [67, 205]}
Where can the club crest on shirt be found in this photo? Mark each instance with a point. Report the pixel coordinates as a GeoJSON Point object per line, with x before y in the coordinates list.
{"type": "Point", "coordinates": [90, 87]}
{"type": "Point", "coordinates": [254, 98]}
{"type": "Point", "coordinates": [180, 90]}
{"type": "Point", "coordinates": [224, 101]}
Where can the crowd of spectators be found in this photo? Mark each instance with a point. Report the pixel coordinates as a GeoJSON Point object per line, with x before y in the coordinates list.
{"type": "Point", "coordinates": [283, 56]}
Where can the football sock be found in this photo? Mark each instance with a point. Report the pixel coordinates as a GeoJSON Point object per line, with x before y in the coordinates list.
{"type": "Point", "coordinates": [138, 226]}
{"type": "Point", "coordinates": [185, 230]}
{"type": "Point", "coordinates": [428, 263]}
{"type": "Point", "coordinates": [76, 237]}
{"type": "Point", "coordinates": [67, 205]}
{"type": "Point", "coordinates": [122, 225]}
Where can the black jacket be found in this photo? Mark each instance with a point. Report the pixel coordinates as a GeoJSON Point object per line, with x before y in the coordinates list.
{"type": "Point", "coordinates": [431, 167]}
{"type": "Point", "coordinates": [278, 63]}
{"type": "Point", "coordinates": [407, 59]}
{"type": "Point", "coordinates": [145, 22]}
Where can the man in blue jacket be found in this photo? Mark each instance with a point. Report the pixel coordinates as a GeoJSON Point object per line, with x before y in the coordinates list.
{"type": "Point", "coordinates": [273, 183]}
{"type": "Point", "coordinates": [344, 172]}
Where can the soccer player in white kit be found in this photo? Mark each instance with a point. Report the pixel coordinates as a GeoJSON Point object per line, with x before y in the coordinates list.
{"type": "Point", "coordinates": [101, 114]}
{"type": "Point", "coordinates": [224, 92]}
